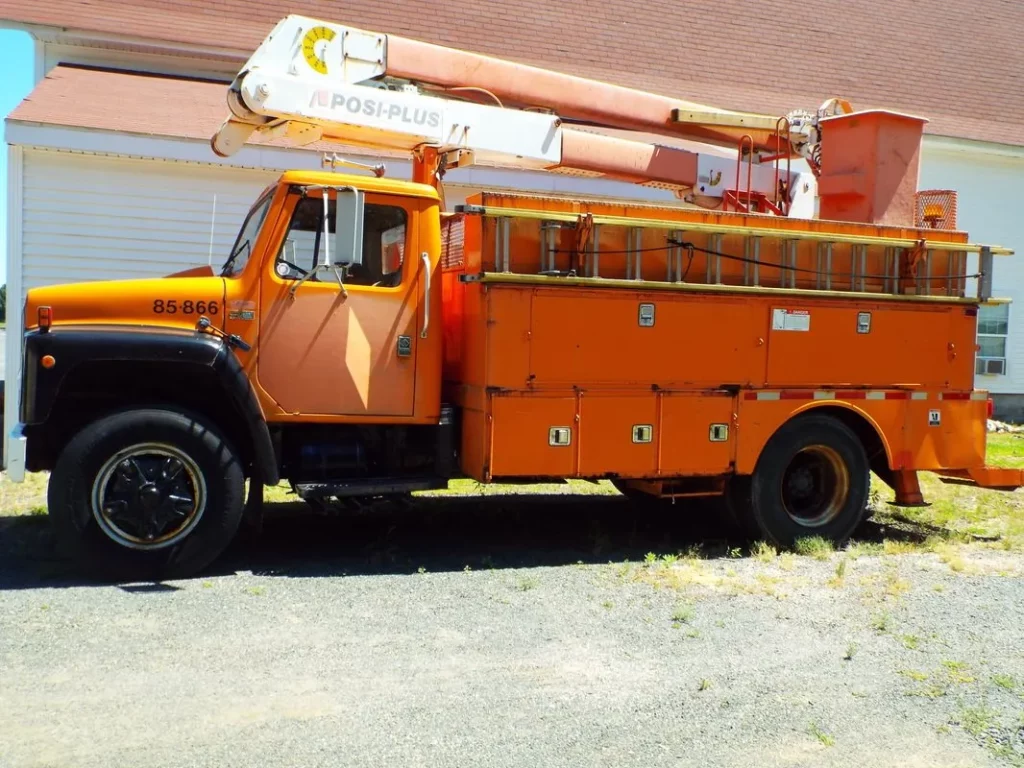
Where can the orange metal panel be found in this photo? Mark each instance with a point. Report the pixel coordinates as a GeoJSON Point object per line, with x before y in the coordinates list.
{"type": "Point", "coordinates": [956, 442]}
{"type": "Point", "coordinates": [474, 337]}
{"type": "Point", "coordinates": [685, 433]}
{"type": "Point", "coordinates": [324, 353]}
{"type": "Point", "coordinates": [520, 427]}
{"type": "Point", "coordinates": [606, 434]}
{"type": "Point", "coordinates": [869, 167]}
{"type": "Point", "coordinates": [508, 338]}
{"type": "Point", "coordinates": [962, 345]}
{"type": "Point", "coordinates": [760, 419]}
{"type": "Point", "coordinates": [991, 477]}
{"type": "Point", "coordinates": [453, 292]}
{"type": "Point", "coordinates": [907, 345]}
{"type": "Point", "coordinates": [590, 337]}
{"type": "Point", "coordinates": [320, 354]}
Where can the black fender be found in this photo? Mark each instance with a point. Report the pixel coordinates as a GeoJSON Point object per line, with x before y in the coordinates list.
{"type": "Point", "coordinates": [71, 347]}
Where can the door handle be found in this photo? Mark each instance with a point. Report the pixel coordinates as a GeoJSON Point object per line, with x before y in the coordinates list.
{"type": "Point", "coordinates": [425, 258]}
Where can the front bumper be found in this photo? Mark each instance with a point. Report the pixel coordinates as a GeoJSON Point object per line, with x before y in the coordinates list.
{"type": "Point", "coordinates": [17, 449]}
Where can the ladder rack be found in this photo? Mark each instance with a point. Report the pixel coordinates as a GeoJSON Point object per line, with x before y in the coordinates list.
{"type": "Point", "coordinates": [601, 242]}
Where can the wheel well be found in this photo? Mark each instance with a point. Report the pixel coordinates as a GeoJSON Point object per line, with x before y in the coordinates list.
{"type": "Point", "coordinates": [865, 431]}
{"type": "Point", "coordinates": [93, 389]}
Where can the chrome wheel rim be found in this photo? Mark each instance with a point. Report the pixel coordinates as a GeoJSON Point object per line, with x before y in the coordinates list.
{"type": "Point", "coordinates": [148, 496]}
{"type": "Point", "coordinates": [815, 486]}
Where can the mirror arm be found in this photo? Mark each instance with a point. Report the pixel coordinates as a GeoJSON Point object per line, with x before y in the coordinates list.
{"type": "Point", "coordinates": [305, 277]}
{"type": "Point", "coordinates": [341, 284]}
{"type": "Point", "coordinates": [320, 268]}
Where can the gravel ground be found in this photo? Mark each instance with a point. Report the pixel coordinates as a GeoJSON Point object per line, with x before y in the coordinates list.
{"type": "Point", "coordinates": [512, 632]}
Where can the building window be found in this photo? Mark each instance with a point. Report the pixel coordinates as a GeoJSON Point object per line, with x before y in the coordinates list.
{"type": "Point", "coordinates": [993, 328]}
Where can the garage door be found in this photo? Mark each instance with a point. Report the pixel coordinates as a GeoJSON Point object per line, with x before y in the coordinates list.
{"type": "Point", "coordinates": [101, 218]}
{"type": "Point", "coordinates": [88, 217]}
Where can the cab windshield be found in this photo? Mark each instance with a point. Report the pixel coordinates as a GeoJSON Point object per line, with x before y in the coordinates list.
{"type": "Point", "coordinates": [242, 248]}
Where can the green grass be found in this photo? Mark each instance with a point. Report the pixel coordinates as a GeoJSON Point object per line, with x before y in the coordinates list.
{"type": "Point", "coordinates": [1004, 681]}
{"type": "Point", "coordinates": [881, 621]}
{"type": "Point", "coordinates": [683, 614]}
{"type": "Point", "coordinates": [817, 732]}
{"type": "Point", "coordinates": [527, 583]}
{"type": "Point", "coordinates": [1006, 449]}
{"type": "Point", "coordinates": [814, 546]}
{"type": "Point", "coordinates": [941, 681]}
{"type": "Point", "coordinates": [839, 577]}
{"type": "Point", "coordinates": [763, 551]}
{"type": "Point", "coordinates": [910, 642]}
{"type": "Point", "coordinates": [23, 498]}
{"type": "Point", "coordinates": [914, 675]}
{"type": "Point", "coordinates": [959, 514]}
{"type": "Point", "coordinates": [977, 720]}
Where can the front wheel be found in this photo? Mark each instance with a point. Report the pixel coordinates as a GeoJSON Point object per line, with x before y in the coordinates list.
{"type": "Point", "coordinates": [812, 480]}
{"type": "Point", "coordinates": [146, 494]}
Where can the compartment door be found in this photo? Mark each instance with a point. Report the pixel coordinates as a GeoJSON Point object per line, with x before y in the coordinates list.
{"type": "Point", "coordinates": [533, 436]}
{"type": "Point", "coordinates": [698, 435]}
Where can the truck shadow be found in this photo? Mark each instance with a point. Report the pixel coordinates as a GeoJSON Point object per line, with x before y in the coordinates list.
{"type": "Point", "coordinates": [435, 535]}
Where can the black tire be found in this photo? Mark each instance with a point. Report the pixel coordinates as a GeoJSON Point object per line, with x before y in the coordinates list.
{"type": "Point", "coordinates": [812, 479]}
{"type": "Point", "coordinates": [175, 455]}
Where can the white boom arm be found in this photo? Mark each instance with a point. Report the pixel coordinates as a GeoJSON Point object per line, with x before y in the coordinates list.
{"type": "Point", "coordinates": [312, 80]}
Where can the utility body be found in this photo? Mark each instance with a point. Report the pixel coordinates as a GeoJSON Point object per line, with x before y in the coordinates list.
{"type": "Point", "coordinates": [360, 340]}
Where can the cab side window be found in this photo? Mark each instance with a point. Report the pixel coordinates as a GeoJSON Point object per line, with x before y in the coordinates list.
{"type": "Point", "coordinates": [384, 240]}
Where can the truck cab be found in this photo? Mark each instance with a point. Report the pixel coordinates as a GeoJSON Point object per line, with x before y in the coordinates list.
{"type": "Point", "coordinates": [310, 355]}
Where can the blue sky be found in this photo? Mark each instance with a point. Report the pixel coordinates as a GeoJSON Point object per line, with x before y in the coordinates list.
{"type": "Point", "coordinates": [16, 63]}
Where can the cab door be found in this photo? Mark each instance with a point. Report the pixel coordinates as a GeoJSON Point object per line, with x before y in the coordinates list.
{"type": "Point", "coordinates": [328, 351]}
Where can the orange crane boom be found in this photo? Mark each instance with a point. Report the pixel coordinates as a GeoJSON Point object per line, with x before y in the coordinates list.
{"type": "Point", "coordinates": [315, 80]}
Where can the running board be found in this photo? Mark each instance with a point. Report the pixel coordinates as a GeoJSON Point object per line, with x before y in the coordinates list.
{"type": "Point", "coordinates": [368, 487]}
{"type": "Point", "coordinates": [995, 478]}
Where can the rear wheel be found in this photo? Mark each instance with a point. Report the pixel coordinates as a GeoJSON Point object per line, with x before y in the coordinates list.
{"type": "Point", "coordinates": [146, 494]}
{"type": "Point", "coordinates": [812, 480]}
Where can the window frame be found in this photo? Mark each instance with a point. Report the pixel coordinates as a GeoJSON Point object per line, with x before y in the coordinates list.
{"type": "Point", "coordinates": [405, 204]}
{"type": "Point", "coordinates": [982, 361]}
{"type": "Point", "coordinates": [265, 202]}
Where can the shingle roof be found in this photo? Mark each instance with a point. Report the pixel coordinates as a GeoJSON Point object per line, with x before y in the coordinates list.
{"type": "Point", "coordinates": [145, 104]}
{"type": "Point", "coordinates": [958, 64]}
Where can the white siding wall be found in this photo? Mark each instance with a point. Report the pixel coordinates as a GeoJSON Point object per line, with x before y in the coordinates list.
{"type": "Point", "coordinates": [990, 187]}
{"type": "Point", "coordinates": [83, 217]}
{"type": "Point", "coordinates": [103, 218]}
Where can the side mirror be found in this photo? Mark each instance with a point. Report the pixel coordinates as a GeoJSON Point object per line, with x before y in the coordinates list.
{"type": "Point", "coordinates": [348, 228]}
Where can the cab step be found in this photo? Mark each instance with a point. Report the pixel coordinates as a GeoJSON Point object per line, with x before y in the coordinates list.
{"type": "Point", "coordinates": [368, 487]}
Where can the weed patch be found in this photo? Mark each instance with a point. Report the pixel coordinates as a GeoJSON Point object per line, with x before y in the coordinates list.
{"type": "Point", "coordinates": [814, 546]}
{"type": "Point", "coordinates": [821, 735]}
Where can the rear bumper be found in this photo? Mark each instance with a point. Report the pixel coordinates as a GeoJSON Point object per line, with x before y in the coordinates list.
{"type": "Point", "coordinates": [17, 449]}
{"type": "Point", "coordinates": [996, 478]}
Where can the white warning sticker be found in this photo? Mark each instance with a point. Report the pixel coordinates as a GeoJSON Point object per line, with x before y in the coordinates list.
{"type": "Point", "coordinates": [791, 320]}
